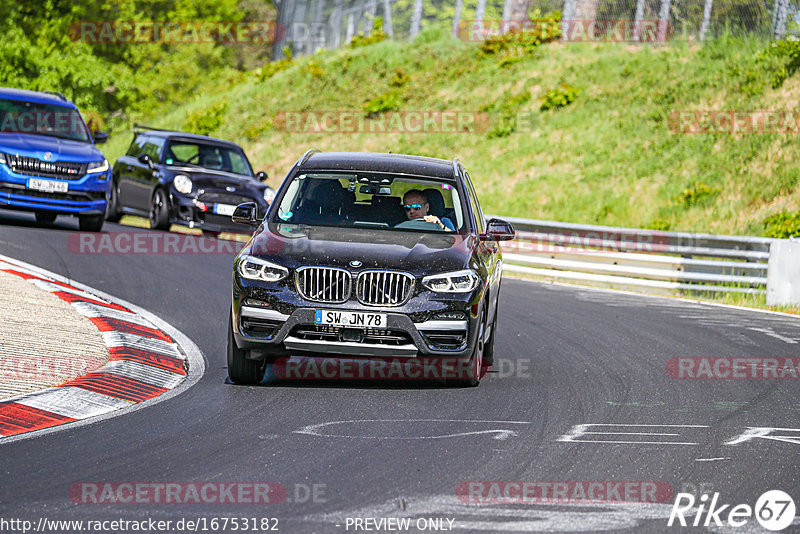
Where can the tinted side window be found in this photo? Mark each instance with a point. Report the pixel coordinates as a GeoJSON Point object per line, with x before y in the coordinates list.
{"type": "Point", "coordinates": [474, 205]}
{"type": "Point", "coordinates": [182, 152]}
{"type": "Point", "coordinates": [136, 146]}
{"type": "Point", "coordinates": [238, 164]}
{"type": "Point", "coordinates": [152, 147]}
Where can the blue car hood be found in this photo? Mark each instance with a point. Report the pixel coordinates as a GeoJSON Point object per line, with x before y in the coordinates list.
{"type": "Point", "coordinates": [36, 145]}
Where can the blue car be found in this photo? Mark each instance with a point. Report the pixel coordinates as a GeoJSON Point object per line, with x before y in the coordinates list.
{"type": "Point", "coordinates": [49, 163]}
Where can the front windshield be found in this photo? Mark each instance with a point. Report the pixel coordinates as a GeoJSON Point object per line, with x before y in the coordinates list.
{"type": "Point", "coordinates": [51, 120]}
{"type": "Point", "coordinates": [370, 200]}
{"type": "Point", "coordinates": [207, 156]}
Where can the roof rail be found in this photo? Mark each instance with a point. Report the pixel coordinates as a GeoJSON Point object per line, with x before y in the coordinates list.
{"type": "Point", "coordinates": [456, 164]}
{"type": "Point", "coordinates": [59, 95]}
{"type": "Point", "coordinates": [138, 127]}
{"type": "Point", "coordinates": [307, 155]}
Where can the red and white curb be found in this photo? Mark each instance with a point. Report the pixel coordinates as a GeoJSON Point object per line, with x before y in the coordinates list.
{"type": "Point", "coordinates": [149, 361]}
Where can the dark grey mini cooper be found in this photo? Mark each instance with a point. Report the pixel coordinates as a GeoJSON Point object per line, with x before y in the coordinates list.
{"type": "Point", "coordinates": [368, 257]}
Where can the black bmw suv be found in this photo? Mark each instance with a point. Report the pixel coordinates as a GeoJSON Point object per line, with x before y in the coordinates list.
{"type": "Point", "coordinates": [188, 179]}
{"type": "Point", "coordinates": [368, 256]}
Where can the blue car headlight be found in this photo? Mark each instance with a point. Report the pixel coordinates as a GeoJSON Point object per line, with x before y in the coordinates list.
{"type": "Point", "coordinates": [97, 166]}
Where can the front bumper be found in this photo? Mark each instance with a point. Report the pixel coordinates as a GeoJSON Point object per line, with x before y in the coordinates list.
{"type": "Point", "coordinates": [84, 196]}
{"type": "Point", "coordinates": [286, 326]}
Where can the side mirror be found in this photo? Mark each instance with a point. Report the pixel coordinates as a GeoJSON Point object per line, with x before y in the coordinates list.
{"type": "Point", "coordinates": [262, 176]}
{"type": "Point", "coordinates": [144, 159]}
{"type": "Point", "coordinates": [99, 137]}
{"type": "Point", "coordinates": [498, 230]}
{"type": "Point", "coordinates": [246, 213]}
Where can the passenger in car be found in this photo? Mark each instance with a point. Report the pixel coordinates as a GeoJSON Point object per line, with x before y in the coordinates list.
{"type": "Point", "coordinates": [416, 205]}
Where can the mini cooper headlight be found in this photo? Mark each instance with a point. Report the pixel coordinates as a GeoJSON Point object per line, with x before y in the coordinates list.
{"type": "Point", "coordinates": [182, 184]}
{"type": "Point", "coordinates": [455, 282]}
{"type": "Point", "coordinates": [269, 195]}
{"type": "Point", "coordinates": [97, 166]}
{"type": "Point", "coordinates": [257, 269]}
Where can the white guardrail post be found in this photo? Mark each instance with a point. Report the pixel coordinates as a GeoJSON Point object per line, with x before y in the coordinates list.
{"type": "Point", "coordinates": [783, 278]}
{"type": "Point", "coordinates": [654, 261]}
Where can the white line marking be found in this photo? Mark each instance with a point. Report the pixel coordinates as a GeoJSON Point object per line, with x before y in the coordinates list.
{"type": "Point", "coordinates": [771, 333]}
{"type": "Point", "coordinates": [765, 432]}
{"type": "Point", "coordinates": [500, 434]}
{"type": "Point", "coordinates": [710, 459]}
{"type": "Point", "coordinates": [577, 431]}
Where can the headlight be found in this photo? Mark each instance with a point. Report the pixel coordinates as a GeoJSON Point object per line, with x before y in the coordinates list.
{"type": "Point", "coordinates": [455, 282]}
{"type": "Point", "coordinates": [2, 158]}
{"type": "Point", "coordinates": [269, 195]}
{"type": "Point", "coordinates": [182, 184]}
{"type": "Point", "coordinates": [97, 166]}
{"type": "Point", "coordinates": [258, 269]}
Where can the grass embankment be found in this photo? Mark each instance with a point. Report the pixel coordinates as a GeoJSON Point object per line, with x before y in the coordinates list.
{"type": "Point", "coordinates": [607, 158]}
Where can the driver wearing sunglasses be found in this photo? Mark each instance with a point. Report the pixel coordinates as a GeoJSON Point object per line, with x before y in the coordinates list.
{"type": "Point", "coordinates": [416, 205]}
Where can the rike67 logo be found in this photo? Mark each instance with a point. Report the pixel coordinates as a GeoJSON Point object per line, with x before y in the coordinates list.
{"type": "Point", "coordinates": [774, 510]}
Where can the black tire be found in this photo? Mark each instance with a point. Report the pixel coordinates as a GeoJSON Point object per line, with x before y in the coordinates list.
{"type": "Point", "coordinates": [475, 367]}
{"type": "Point", "coordinates": [159, 211]}
{"type": "Point", "coordinates": [91, 223]}
{"type": "Point", "coordinates": [241, 369]}
{"type": "Point", "coordinates": [46, 217]}
{"type": "Point", "coordinates": [113, 212]}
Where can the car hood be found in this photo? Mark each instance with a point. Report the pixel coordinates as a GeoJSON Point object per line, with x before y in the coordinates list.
{"type": "Point", "coordinates": [36, 145]}
{"type": "Point", "coordinates": [206, 179]}
{"type": "Point", "coordinates": [415, 252]}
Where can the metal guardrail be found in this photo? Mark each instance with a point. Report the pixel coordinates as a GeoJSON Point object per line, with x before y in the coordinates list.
{"type": "Point", "coordinates": [626, 258]}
